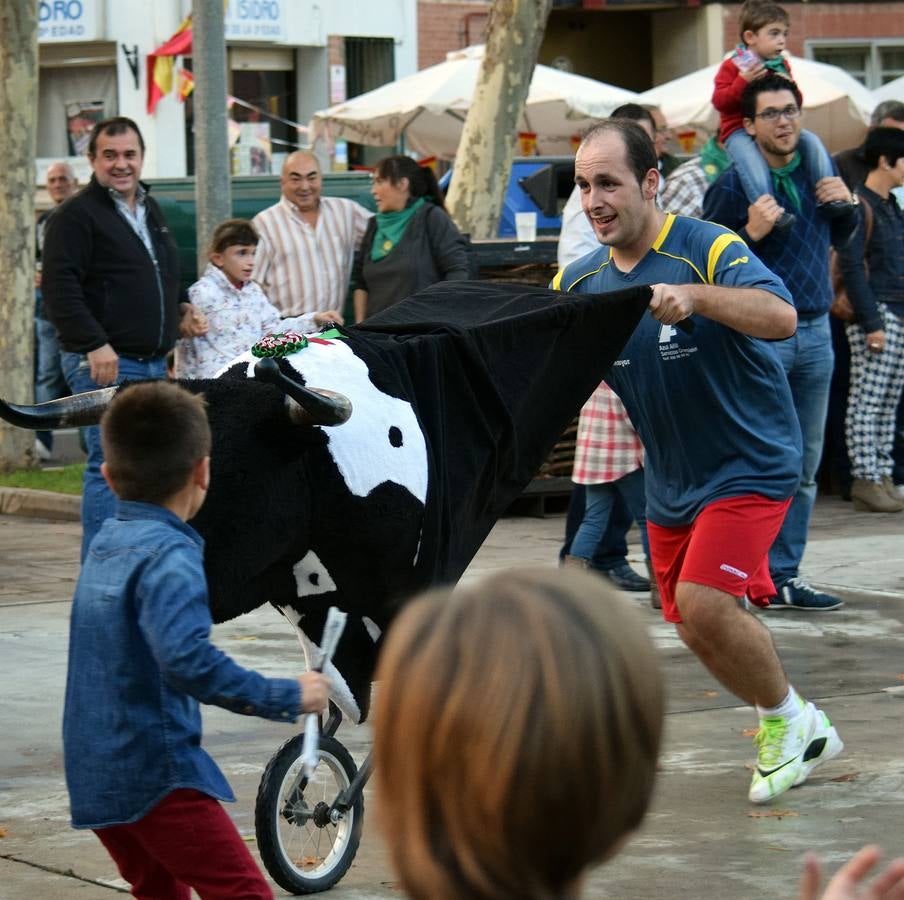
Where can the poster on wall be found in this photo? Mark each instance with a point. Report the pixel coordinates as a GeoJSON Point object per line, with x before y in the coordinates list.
{"type": "Point", "coordinates": [81, 117]}
{"type": "Point", "coordinates": [252, 154]}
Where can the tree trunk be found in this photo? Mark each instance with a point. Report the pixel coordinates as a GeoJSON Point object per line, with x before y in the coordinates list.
{"type": "Point", "coordinates": [484, 158]}
{"type": "Point", "coordinates": [18, 105]}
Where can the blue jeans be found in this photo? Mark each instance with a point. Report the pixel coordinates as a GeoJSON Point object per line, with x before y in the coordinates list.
{"type": "Point", "coordinates": [807, 358]}
{"type": "Point", "coordinates": [599, 502]}
{"type": "Point", "coordinates": [98, 501]}
{"type": "Point", "coordinates": [753, 170]}
{"type": "Point", "coordinates": [49, 381]}
{"type": "Point", "coordinates": [612, 550]}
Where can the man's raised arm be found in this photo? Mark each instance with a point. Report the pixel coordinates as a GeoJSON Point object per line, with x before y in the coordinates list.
{"type": "Point", "coordinates": [752, 311]}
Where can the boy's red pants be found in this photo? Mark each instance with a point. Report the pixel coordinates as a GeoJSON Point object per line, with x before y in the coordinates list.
{"type": "Point", "coordinates": [186, 841]}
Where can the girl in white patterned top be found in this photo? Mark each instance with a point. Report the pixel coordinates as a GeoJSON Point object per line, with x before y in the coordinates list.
{"type": "Point", "coordinates": [237, 310]}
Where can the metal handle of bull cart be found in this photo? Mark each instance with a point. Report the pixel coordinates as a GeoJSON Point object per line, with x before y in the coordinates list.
{"type": "Point", "coordinates": [332, 631]}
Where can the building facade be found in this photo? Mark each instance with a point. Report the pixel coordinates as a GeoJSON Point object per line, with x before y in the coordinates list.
{"type": "Point", "coordinates": [285, 60]}
{"type": "Point", "coordinates": [637, 44]}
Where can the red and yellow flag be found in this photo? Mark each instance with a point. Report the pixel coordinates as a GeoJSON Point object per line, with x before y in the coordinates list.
{"type": "Point", "coordinates": [186, 84]}
{"type": "Point", "coordinates": [160, 64]}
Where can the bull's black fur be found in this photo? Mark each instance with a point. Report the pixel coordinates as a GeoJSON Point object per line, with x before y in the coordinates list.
{"type": "Point", "coordinates": [276, 494]}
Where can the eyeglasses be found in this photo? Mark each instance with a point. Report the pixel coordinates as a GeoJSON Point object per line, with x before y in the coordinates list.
{"type": "Point", "coordinates": [771, 114]}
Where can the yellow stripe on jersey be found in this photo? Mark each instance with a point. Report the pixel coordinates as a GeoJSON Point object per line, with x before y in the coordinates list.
{"type": "Point", "coordinates": [660, 240]}
{"type": "Point", "coordinates": [683, 259]}
{"type": "Point", "coordinates": [557, 281]}
{"type": "Point", "coordinates": [715, 251]}
{"type": "Point", "coordinates": [664, 231]}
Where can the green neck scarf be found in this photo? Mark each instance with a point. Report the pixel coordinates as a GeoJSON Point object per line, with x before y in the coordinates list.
{"type": "Point", "coordinates": [713, 160]}
{"type": "Point", "coordinates": [776, 64]}
{"type": "Point", "coordinates": [781, 179]}
{"type": "Point", "coordinates": [390, 228]}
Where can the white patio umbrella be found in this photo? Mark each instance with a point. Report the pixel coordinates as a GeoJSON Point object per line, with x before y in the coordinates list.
{"type": "Point", "coordinates": [429, 108]}
{"type": "Point", "coordinates": [836, 105]}
{"type": "Point", "coordinates": [892, 90]}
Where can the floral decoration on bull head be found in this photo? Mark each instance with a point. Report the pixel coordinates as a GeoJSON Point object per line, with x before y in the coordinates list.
{"type": "Point", "coordinates": [279, 344]}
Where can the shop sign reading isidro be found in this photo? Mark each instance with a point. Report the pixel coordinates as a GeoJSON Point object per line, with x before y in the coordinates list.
{"type": "Point", "coordinates": [255, 20]}
{"type": "Point", "coordinates": [69, 20]}
{"type": "Point", "coordinates": [81, 20]}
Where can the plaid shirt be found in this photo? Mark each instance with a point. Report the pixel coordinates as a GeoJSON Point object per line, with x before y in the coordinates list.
{"type": "Point", "coordinates": [607, 446]}
{"type": "Point", "coordinates": [684, 190]}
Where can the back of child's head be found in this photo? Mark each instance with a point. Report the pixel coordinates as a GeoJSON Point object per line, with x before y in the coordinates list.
{"type": "Point", "coordinates": [757, 14]}
{"type": "Point", "coordinates": [232, 233]}
{"type": "Point", "coordinates": [884, 141]}
{"type": "Point", "coordinates": [516, 705]}
{"type": "Point", "coordinates": [153, 435]}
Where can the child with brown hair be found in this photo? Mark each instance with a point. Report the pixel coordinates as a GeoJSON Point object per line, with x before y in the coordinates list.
{"type": "Point", "coordinates": [763, 28]}
{"type": "Point", "coordinates": [516, 737]}
{"type": "Point", "coordinates": [238, 312]}
{"type": "Point", "coordinates": [141, 661]}
{"type": "Point", "coordinates": [533, 697]}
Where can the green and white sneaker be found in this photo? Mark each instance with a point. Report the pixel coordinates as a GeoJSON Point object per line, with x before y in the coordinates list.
{"type": "Point", "coordinates": [789, 749]}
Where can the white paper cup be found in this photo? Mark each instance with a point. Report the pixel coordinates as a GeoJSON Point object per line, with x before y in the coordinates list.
{"type": "Point", "coordinates": [526, 226]}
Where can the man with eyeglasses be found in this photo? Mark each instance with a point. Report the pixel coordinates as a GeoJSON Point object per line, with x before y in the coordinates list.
{"type": "Point", "coordinates": [771, 106]}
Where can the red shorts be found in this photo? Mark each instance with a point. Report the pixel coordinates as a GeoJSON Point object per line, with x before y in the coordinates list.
{"type": "Point", "coordinates": [726, 547]}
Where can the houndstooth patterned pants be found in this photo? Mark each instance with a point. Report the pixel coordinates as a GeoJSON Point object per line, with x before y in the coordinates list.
{"type": "Point", "coordinates": [877, 380]}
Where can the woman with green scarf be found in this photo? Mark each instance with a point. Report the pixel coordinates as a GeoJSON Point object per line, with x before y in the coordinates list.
{"type": "Point", "coordinates": [410, 244]}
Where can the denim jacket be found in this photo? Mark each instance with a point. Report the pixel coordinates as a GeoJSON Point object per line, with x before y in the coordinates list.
{"type": "Point", "coordinates": [884, 257]}
{"type": "Point", "coordinates": [140, 660]}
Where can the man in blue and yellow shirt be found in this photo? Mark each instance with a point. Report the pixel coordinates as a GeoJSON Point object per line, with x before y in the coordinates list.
{"type": "Point", "coordinates": [711, 403]}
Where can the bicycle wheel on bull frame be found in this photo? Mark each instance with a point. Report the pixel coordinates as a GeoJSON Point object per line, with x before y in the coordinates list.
{"type": "Point", "coordinates": [305, 848]}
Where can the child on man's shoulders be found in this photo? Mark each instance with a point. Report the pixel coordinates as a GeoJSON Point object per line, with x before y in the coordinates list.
{"type": "Point", "coordinates": [763, 28]}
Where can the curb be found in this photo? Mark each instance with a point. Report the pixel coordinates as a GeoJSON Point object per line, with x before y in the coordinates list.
{"type": "Point", "coordinates": [40, 504]}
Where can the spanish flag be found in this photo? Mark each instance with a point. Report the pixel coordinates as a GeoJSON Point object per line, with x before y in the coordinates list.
{"type": "Point", "coordinates": [185, 84]}
{"type": "Point", "coordinates": [160, 63]}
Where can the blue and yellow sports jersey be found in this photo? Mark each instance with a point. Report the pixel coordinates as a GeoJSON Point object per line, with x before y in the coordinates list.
{"type": "Point", "coordinates": [713, 407]}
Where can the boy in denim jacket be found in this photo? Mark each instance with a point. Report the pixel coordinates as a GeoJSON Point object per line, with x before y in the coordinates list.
{"type": "Point", "coordinates": [140, 660]}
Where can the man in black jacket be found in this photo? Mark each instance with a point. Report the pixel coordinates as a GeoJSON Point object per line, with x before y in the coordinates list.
{"type": "Point", "coordinates": [111, 287]}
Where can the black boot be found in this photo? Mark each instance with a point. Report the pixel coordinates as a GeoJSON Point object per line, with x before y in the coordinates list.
{"type": "Point", "coordinates": [626, 579]}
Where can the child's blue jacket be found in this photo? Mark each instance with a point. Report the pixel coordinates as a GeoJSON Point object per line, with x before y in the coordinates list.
{"type": "Point", "coordinates": [140, 660]}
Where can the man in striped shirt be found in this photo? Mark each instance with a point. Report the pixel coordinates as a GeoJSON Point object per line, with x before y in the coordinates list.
{"type": "Point", "coordinates": [307, 242]}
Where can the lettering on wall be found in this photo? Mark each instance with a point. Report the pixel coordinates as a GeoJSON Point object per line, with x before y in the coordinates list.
{"type": "Point", "coordinates": [255, 20]}
{"type": "Point", "coordinates": [68, 20]}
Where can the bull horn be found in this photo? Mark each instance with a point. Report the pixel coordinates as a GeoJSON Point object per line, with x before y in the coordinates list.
{"type": "Point", "coordinates": [68, 412]}
{"type": "Point", "coordinates": [314, 406]}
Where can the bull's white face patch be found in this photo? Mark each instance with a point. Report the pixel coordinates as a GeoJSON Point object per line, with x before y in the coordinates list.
{"type": "Point", "coordinates": [311, 576]}
{"type": "Point", "coordinates": [382, 441]}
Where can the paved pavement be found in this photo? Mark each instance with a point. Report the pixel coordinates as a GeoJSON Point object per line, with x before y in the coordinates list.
{"type": "Point", "coordinates": [702, 839]}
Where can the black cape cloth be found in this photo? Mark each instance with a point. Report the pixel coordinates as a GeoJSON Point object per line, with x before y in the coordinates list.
{"type": "Point", "coordinates": [495, 373]}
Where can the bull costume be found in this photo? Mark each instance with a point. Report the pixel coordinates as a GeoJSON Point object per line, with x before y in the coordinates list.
{"type": "Point", "coordinates": [457, 395]}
